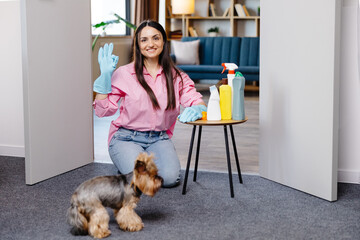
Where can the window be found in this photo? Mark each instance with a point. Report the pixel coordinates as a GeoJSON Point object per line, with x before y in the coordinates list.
{"type": "Point", "coordinates": [103, 10]}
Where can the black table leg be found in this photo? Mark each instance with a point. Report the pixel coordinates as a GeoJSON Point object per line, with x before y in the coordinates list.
{"type": "Point", "coordinates": [197, 153]}
{"type": "Point", "coordinates": [236, 155]}
{"type": "Point", "coordinates": [228, 162]}
{"type": "Point", "coordinates": [189, 159]}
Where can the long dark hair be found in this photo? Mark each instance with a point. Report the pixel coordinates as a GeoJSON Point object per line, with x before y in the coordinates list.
{"type": "Point", "coordinates": [164, 60]}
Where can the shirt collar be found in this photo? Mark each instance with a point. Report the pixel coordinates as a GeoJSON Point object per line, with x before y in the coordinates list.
{"type": "Point", "coordinates": [145, 71]}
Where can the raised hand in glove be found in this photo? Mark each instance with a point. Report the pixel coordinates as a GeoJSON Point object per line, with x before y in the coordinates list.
{"type": "Point", "coordinates": [192, 113]}
{"type": "Point", "coordinates": [107, 62]}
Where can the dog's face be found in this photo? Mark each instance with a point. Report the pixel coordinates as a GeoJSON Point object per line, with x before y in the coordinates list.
{"type": "Point", "coordinates": [146, 174]}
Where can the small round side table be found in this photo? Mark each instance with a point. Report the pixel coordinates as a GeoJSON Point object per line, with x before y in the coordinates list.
{"type": "Point", "coordinates": [223, 123]}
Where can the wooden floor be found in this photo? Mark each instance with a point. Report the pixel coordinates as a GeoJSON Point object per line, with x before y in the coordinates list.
{"type": "Point", "coordinates": [212, 150]}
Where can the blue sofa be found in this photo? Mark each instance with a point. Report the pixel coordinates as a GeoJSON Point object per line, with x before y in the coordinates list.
{"type": "Point", "coordinates": [243, 51]}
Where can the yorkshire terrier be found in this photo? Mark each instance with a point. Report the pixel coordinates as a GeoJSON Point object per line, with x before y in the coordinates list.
{"type": "Point", "coordinates": [88, 214]}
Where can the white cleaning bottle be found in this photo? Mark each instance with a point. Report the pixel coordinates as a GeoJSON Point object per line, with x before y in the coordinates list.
{"type": "Point", "coordinates": [231, 74]}
{"type": "Point", "coordinates": [213, 109]}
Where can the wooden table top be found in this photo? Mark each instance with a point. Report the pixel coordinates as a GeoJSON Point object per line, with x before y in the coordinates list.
{"type": "Point", "coordinates": [216, 123]}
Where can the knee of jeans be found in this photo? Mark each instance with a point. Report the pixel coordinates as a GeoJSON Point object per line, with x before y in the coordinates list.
{"type": "Point", "coordinates": [124, 168]}
{"type": "Point", "coordinates": [170, 179]}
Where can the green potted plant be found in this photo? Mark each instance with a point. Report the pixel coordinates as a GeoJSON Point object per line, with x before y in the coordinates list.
{"type": "Point", "coordinates": [213, 32]}
{"type": "Point", "coordinates": [103, 25]}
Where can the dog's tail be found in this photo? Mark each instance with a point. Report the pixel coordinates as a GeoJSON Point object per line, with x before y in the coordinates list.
{"type": "Point", "coordinates": [76, 219]}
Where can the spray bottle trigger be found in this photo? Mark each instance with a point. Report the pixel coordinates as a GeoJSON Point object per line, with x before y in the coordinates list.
{"type": "Point", "coordinates": [223, 64]}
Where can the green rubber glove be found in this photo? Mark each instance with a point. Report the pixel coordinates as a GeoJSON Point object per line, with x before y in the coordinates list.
{"type": "Point", "coordinates": [192, 113]}
{"type": "Point", "coordinates": [107, 62]}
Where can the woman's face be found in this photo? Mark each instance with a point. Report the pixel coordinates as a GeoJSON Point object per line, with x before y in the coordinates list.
{"type": "Point", "coordinates": [151, 42]}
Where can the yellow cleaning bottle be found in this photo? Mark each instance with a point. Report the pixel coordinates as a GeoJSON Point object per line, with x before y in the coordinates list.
{"type": "Point", "coordinates": [225, 102]}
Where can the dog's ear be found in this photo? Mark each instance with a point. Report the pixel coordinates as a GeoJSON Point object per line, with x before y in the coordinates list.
{"type": "Point", "coordinates": [140, 166]}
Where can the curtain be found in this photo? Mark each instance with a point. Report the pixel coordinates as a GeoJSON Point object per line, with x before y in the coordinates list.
{"type": "Point", "coordinates": [146, 9]}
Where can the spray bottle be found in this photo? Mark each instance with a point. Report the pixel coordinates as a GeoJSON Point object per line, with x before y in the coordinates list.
{"type": "Point", "coordinates": [231, 74]}
{"type": "Point", "coordinates": [238, 110]}
{"type": "Point", "coordinates": [213, 109]}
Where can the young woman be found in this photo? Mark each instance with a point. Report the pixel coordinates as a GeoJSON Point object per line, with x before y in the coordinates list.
{"type": "Point", "coordinates": [150, 90]}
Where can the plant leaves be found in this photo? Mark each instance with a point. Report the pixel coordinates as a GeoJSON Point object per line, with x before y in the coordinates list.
{"type": "Point", "coordinates": [128, 24]}
{"type": "Point", "coordinates": [94, 42]}
{"type": "Point", "coordinates": [107, 23]}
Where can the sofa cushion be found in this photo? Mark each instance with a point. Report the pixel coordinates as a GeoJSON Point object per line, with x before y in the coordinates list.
{"type": "Point", "coordinates": [243, 51]}
{"type": "Point", "coordinates": [217, 50]}
{"type": "Point", "coordinates": [248, 69]}
{"type": "Point", "coordinates": [186, 52]}
{"type": "Point", "coordinates": [249, 52]}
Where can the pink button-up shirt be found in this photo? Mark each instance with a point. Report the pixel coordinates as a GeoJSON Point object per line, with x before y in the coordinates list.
{"type": "Point", "coordinates": [136, 110]}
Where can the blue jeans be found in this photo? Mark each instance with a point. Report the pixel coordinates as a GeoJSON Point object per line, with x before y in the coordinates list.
{"type": "Point", "coordinates": [126, 145]}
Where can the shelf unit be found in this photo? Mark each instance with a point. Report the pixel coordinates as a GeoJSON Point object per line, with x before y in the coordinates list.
{"type": "Point", "coordinates": [230, 25]}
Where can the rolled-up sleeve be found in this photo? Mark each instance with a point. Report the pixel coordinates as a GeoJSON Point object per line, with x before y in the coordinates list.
{"type": "Point", "coordinates": [188, 94]}
{"type": "Point", "coordinates": [105, 107]}
{"type": "Point", "coordinates": [109, 105]}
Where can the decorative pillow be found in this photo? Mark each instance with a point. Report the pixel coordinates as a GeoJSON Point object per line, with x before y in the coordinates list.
{"type": "Point", "coordinates": [186, 53]}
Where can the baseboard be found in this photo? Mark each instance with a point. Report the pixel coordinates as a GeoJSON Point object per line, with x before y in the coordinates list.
{"type": "Point", "coordinates": [12, 151]}
{"type": "Point", "coordinates": [102, 160]}
{"type": "Point", "coordinates": [105, 162]}
{"type": "Point", "coordinates": [349, 176]}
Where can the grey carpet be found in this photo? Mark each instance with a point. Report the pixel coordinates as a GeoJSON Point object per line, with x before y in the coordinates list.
{"type": "Point", "coordinates": [261, 209]}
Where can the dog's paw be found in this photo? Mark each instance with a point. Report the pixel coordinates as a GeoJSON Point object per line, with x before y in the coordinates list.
{"type": "Point", "coordinates": [129, 220]}
{"type": "Point", "coordinates": [131, 224]}
{"type": "Point", "coordinates": [134, 227]}
{"type": "Point", "coordinates": [101, 233]}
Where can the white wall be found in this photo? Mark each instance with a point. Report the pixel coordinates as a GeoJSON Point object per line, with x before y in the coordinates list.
{"type": "Point", "coordinates": [11, 97]}
{"type": "Point", "coordinates": [349, 150]}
